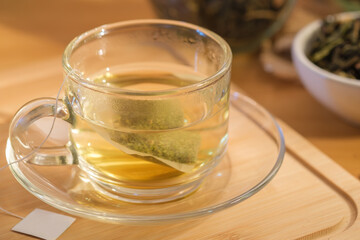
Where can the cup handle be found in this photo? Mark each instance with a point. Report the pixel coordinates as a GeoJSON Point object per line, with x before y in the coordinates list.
{"type": "Point", "coordinates": [20, 137]}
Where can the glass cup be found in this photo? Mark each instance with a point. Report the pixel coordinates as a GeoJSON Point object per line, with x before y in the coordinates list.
{"type": "Point", "coordinates": [147, 102]}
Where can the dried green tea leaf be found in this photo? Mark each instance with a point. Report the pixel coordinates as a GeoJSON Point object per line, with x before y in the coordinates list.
{"type": "Point", "coordinates": [325, 50]}
{"type": "Point", "coordinates": [336, 47]}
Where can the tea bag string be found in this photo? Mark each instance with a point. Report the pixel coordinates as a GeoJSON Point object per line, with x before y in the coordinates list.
{"type": "Point", "coordinates": [35, 150]}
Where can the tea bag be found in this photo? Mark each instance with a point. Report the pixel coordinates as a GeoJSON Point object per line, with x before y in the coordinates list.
{"type": "Point", "coordinates": [175, 149]}
{"type": "Point", "coordinates": [154, 137]}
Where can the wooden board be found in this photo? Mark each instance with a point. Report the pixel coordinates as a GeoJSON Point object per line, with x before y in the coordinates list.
{"type": "Point", "coordinates": [310, 198]}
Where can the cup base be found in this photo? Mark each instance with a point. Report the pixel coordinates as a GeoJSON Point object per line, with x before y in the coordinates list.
{"type": "Point", "coordinates": [120, 192]}
{"type": "Point", "coordinates": [145, 196]}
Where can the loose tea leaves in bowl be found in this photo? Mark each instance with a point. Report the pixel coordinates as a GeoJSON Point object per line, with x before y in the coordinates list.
{"type": "Point", "coordinates": [243, 23]}
{"type": "Point", "coordinates": [336, 47]}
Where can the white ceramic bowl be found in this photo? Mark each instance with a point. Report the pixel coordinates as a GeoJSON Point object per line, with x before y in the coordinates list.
{"type": "Point", "coordinates": [339, 94]}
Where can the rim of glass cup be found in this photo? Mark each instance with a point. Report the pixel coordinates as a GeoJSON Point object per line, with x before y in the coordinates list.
{"type": "Point", "coordinates": [106, 29]}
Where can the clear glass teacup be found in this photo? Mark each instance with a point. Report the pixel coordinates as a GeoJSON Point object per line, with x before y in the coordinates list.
{"type": "Point", "coordinates": [147, 102]}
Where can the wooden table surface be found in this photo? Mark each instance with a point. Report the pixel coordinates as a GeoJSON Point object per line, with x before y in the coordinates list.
{"type": "Point", "coordinates": [35, 33]}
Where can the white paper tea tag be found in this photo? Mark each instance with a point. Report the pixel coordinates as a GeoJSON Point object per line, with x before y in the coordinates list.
{"type": "Point", "coordinates": [44, 224]}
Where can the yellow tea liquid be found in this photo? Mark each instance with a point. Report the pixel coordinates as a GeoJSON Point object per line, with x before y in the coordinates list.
{"type": "Point", "coordinates": [142, 143]}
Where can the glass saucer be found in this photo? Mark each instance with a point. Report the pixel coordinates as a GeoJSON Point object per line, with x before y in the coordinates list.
{"type": "Point", "coordinates": [255, 153]}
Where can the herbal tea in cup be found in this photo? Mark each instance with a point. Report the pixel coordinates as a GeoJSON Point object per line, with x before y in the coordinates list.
{"type": "Point", "coordinates": [148, 105]}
